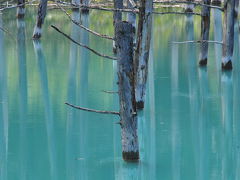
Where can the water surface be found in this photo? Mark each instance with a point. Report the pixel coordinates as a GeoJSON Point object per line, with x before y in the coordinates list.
{"type": "Point", "coordinates": [189, 128]}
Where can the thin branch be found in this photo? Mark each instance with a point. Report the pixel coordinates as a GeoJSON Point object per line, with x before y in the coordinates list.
{"type": "Point", "coordinates": [198, 41]}
{"type": "Point", "coordinates": [83, 27]}
{"type": "Point", "coordinates": [99, 7]}
{"type": "Point", "coordinates": [110, 92]}
{"type": "Point", "coordinates": [15, 6]}
{"type": "Point", "coordinates": [7, 32]}
{"type": "Point", "coordinates": [82, 45]}
{"type": "Point", "coordinates": [134, 5]}
{"type": "Point", "coordinates": [93, 110]}
{"type": "Point", "coordinates": [189, 2]}
{"type": "Point", "coordinates": [184, 13]}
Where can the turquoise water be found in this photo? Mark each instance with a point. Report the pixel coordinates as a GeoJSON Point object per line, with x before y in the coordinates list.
{"type": "Point", "coordinates": [189, 129]}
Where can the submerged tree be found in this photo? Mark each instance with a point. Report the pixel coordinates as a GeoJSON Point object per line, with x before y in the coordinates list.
{"type": "Point", "coordinates": [228, 35]}
{"type": "Point", "coordinates": [42, 10]}
{"type": "Point", "coordinates": [205, 27]}
{"type": "Point", "coordinates": [142, 50]}
{"type": "Point", "coordinates": [126, 90]}
{"type": "Point", "coordinates": [21, 9]}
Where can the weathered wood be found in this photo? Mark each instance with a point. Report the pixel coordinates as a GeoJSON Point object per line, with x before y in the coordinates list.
{"type": "Point", "coordinates": [236, 8]}
{"type": "Point", "coordinates": [42, 10]}
{"type": "Point", "coordinates": [128, 122]}
{"type": "Point", "coordinates": [205, 27]}
{"type": "Point", "coordinates": [142, 50]}
{"type": "Point", "coordinates": [21, 9]}
{"type": "Point", "coordinates": [228, 35]}
{"type": "Point", "coordinates": [131, 15]}
{"type": "Point", "coordinates": [117, 16]}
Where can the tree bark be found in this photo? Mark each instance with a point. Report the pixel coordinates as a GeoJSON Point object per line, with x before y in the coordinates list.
{"type": "Point", "coordinates": [142, 50]}
{"type": "Point", "coordinates": [205, 26]}
{"type": "Point", "coordinates": [228, 35]}
{"type": "Point", "coordinates": [42, 10]}
{"type": "Point", "coordinates": [131, 15]}
{"type": "Point", "coordinates": [236, 8]}
{"type": "Point", "coordinates": [128, 122]}
{"type": "Point", "coordinates": [117, 16]}
{"type": "Point", "coordinates": [21, 9]}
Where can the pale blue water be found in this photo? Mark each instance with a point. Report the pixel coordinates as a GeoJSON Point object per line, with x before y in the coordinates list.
{"type": "Point", "coordinates": [189, 129]}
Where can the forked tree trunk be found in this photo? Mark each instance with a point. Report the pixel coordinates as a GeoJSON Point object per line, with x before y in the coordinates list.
{"type": "Point", "coordinates": [228, 35]}
{"type": "Point", "coordinates": [21, 9]}
{"type": "Point", "coordinates": [124, 44]}
{"type": "Point", "coordinates": [142, 50]}
{"type": "Point", "coordinates": [189, 7]}
{"type": "Point", "coordinates": [117, 16]}
{"type": "Point", "coordinates": [42, 10]}
{"type": "Point", "coordinates": [205, 26]}
{"type": "Point", "coordinates": [85, 10]}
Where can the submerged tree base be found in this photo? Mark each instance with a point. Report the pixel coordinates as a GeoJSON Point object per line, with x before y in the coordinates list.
{"type": "Point", "coordinates": [188, 10]}
{"type": "Point", "coordinates": [203, 62]}
{"type": "Point", "coordinates": [140, 104]}
{"type": "Point", "coordinates": [131, 156]}
{"type": "Point", "coordinates": [84, 10]}
{"type": "Point", "coordinates": [227, 66]}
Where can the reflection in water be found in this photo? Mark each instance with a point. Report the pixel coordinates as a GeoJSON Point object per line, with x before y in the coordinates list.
{"type": "Point", "coordinates": [175, 132]}
{"type": "Point", "coordinates": [83, 98]}
{"type": "Point", "coordinates": [189, 129]}
{"type": "Point", "coordinates": [202, 153]}
{"type": "Point", "coordinates": [3, 108]}
{"type": "Point", "coordinates": [48, 109]}
{"type": "Point", "coordinates": [23, 101]}
{"type": "Point", "coordinates": [217, 15]}
{"type": "Point", "coordinates": [227, 123]}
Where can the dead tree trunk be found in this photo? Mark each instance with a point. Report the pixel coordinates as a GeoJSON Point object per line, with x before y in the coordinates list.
{"type": "Point", "coordinates": [236, 8]}
{"type": "Point", "coordinates": [117, 16]}
{"type": "Point", "coordinates": [124, 44]}
{"type": "Point", "coordinates": [21, 9]}
{"type": "Point", "coordinates": [84, 10]}
{"type": "Point", "coordinates": [228, 35]}
{"type": "Point", "coordinates": [142, 50]}
{"type": "Point", "coordinates": [131, 15]}
{"type": "Point", "coordinates": [189, 7]}
{"type": "Point", "coordinates": [42, 10]}
{"type": "Point", "coordinates": [205, 26]}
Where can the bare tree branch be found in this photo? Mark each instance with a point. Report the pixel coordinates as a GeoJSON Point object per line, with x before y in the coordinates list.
{"type": "Point", "coordinates": [134, 5]}
{"type": "Point", "coordinates": [83, 27]}
{"type": "Point", "coordinates": [93, 110]}
{"type": "Point", "coordinates": [82, 45]}
{"type": "Point", "coordinates": [15, 6]}
{"type": "Point", "coordinates": [110, 92]}
{"type": "Point", "coordinates": [198, 41]}
{"type": "Point", "coordinates": [189, 2]}
{"type": "Point", "coordinates": [99, 7]}
{"type": "Point", "coordinates": [184, 13]}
